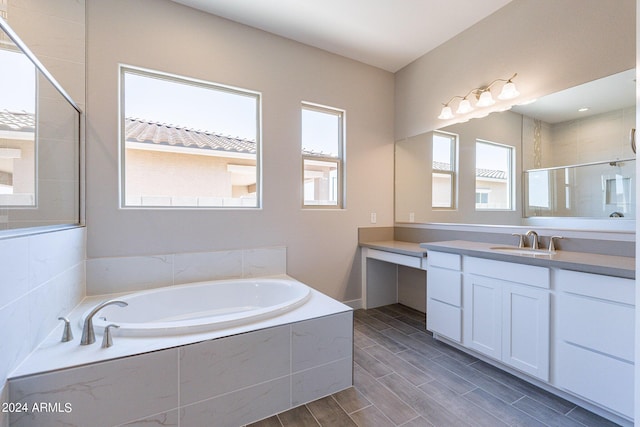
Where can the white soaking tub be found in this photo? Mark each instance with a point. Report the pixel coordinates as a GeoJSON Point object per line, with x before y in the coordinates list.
{"type": "Point", "coordinates": [200, 307]}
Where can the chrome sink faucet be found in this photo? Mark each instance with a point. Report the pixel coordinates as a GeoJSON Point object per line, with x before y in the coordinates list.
{"type": "Point", "coordinates": [88, 334]}
{"type": "Point", "coordinates": [534, 240]}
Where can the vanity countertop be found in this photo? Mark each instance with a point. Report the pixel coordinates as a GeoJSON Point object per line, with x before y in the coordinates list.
{"type": "Point", "coordinates": [398, 247]}
{"type": "Point", "coordinates": [609, 265]}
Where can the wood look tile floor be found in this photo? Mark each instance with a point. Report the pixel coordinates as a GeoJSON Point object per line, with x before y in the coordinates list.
{"type": "Point", "coordinates": [403, 377]}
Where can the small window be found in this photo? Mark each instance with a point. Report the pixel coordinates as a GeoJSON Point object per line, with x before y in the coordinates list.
{"type": "Point", "coordinates": [443, 176]}
{"type": "Point", "coordinates": [188, 143]}
{"type": "Point", "coordinates": [494, 176]}
{"type": "Point", "coordinates": [539, 185]}
{"type": "Point", "coordinates": [322, 156]}
{"type": "Point", "coordinates": [482, 196]}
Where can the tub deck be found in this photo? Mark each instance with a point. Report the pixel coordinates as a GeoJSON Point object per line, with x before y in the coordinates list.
{"type": "Point", "coordinates": [53, 355]}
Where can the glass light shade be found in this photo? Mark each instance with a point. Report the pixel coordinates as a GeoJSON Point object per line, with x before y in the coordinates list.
{"type": "Point", "coordinates": [509, 91]}
{"type": "Point", "coordinates": [446, 113]}
{"type": "Point", "coordinates": [485, 99]}
{"type": "Point", "coordinates": [464, 107]}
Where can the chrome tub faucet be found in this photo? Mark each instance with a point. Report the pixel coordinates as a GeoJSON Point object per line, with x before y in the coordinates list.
{"type": "Point", "coordinates": [88, 334]}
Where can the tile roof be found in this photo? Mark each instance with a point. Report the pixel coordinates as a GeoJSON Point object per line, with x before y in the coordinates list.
{"type": "Point", "coordinates": [491, 173]}
{"type": "Point", "coordinates": [150, 132]}
{"type": "Point", "coordinates": [145, 131]}
{"type": "Point", "coordinates": [480, 173]}
{"type": "Point", "coordinates": [17, 121]}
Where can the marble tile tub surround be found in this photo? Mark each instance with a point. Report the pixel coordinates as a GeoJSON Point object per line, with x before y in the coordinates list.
{"type": "Point", "coordinates": [228, 381]}
{"type": "Point", "coordinates": [43, 277]}
{"type": "Point", "coordinates": [53, 355]}
{"type": "Point", "coordinates": [126, 274]}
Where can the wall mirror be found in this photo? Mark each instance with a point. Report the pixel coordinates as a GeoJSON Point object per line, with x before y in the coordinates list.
{"type": "Point", "coordinates": [572, 158]}
{"type": "Point", "coordinates": [39, 143]}
{"type": "Point", "coordinates": [578, 152]}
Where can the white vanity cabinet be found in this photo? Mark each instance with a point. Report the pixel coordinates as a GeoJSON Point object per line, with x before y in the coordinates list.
{"type": "Point", "coordinates": [506, 313]}
{"type": "Point", "coordinates": [572, 330]}
{"type": "Point", "coordinates": [444, 295]}
{"type": "Point", "coordinates": [595, 338]}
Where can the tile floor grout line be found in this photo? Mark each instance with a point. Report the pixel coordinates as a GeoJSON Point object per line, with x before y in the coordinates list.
{"type": "Point", "coordinates": [391, 391]}
{"type": "Point", "coordinates": [435, 363]}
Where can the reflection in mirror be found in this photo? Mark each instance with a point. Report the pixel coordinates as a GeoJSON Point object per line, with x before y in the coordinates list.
{"type": "Point", "coordinates": [577, 152]}
{"type": "Point", "coordinates": [39, 143]}
{"type": "Point", "coordinates": [17, 127]}
{"type": "Point", "coordinates": [577, 164]}
{"type": "Point", "coordinates": [595, 190]}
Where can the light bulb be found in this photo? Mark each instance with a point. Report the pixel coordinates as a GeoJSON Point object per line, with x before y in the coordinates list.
{"type": "Point", "coordinates": [446, 113]}
{"type": "Point", "coordinates": [464, 107]}
{"type": "Point", "coordinates": [485, 99]}
{"type": "Point", "coordinates": [509, 91]}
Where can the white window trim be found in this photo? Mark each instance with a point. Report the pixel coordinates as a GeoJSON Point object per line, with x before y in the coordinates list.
{"type": "Point", "coordinates": [453, 172]}
{"type": "Point", "coordinates": [340, 159]}
{"type": "Point", "coordinates": [510, 177]}
{"type": "Point", "coordinates": [125, 68]}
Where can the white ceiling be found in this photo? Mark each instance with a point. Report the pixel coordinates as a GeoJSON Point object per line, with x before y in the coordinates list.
{"type": "Point", "coordinates": [388, 34]}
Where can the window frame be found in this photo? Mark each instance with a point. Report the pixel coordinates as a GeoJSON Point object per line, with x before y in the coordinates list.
{"type": "Point", "coordinates": [150, 73]}
{"type": "Point", "coordinates": [340, 159]}
{"type": "Point", "coordinates": [453, 173]}
{"type": "Point", "coordinates": [511, 184]}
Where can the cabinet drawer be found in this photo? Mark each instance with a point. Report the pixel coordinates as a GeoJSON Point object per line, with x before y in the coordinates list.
{"type": "Point", "coordinates": [597, 377]}
{"type": "Point", "coordinates": [445, 286]}
{"type": "Point", "coordinates": [394, 258]}
{"type": "Point", "coordinates": [444, 319]}
{"type": "Point", "coordinates": [596, 285]}
{"type": "Point", "coordinates": [444, 260]}
{"type": "Point", "coordinates": [510, 271]}
{"type": "Point", "coordinates": [605, 326]}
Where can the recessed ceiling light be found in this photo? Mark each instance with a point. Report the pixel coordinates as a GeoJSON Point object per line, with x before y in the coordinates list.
{"type": "Point", "coordinates": [583, 109]}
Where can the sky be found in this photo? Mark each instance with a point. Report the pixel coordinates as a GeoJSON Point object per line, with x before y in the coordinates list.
{"type": "Point", "coordinates": [191, 106]}
{"type": "Point", "coordinates": [183, 103]}
{"type": "Point", "coordinates": [17, 82]}
{"type": "Point", "coordinates": [488, 156]}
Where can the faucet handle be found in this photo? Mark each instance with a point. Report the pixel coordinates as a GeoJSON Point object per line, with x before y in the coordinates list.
{"type": "Point", "coordinates": [67, 335]}
{"type": "Point", "coordinates": [520, 239]}
{"type": "Point", "coordinates": [107, 340]}
{"type": "Point", "coordinates": [552, 246]}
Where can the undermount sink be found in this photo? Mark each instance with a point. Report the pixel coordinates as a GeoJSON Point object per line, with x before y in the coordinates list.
{"type": "Point", "coordinates": [522, 251]}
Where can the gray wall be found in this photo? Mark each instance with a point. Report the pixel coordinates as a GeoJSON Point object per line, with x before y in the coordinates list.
{"type": "Point", "coordinates": [166, 36]}
{"type": "Point", "coordinates": [551, 44]}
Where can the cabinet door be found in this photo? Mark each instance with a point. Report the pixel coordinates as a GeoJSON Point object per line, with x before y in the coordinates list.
{"type": "Point", "coordinates": [525, 335]}
{"type": "Point", "coordinates": [483, 315]}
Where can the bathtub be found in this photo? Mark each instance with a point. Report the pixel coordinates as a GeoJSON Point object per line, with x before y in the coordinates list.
{"type": "Point", "coordinates": [200, 307]}
{"type": "Point", "coordinates": [236, 374]}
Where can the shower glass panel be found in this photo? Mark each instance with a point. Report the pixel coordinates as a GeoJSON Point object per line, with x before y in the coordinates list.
{"type": "Point", "coordinates": [595, 190]}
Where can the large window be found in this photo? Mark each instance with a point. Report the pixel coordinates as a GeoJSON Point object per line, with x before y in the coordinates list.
{"type": "Point", "coordinates": [322, 156]}
{"type": "Point", "coordinates": [443, 176]}
{"type": "Point", "coordinates": [188, 143]}
{"type": "Point", "coordinates": [494, 176]}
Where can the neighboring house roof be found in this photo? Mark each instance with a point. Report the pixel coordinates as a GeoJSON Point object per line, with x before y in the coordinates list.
{"type": "Point", "coordinates": [145, 131]}
{"type": "Point", "coordinates": [150, 132]}
{"type": "Point", "coordinates": [17, 121]}
{"type": "Point", "coordinates": [480, 173]}
{"type": "Point", "coordinates": [491, 173]}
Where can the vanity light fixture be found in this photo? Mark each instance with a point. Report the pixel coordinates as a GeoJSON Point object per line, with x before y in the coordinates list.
{"type": "Point", "coordinates": [464, 107]}
{"type": "Point", "coordinates": [484, 97]}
